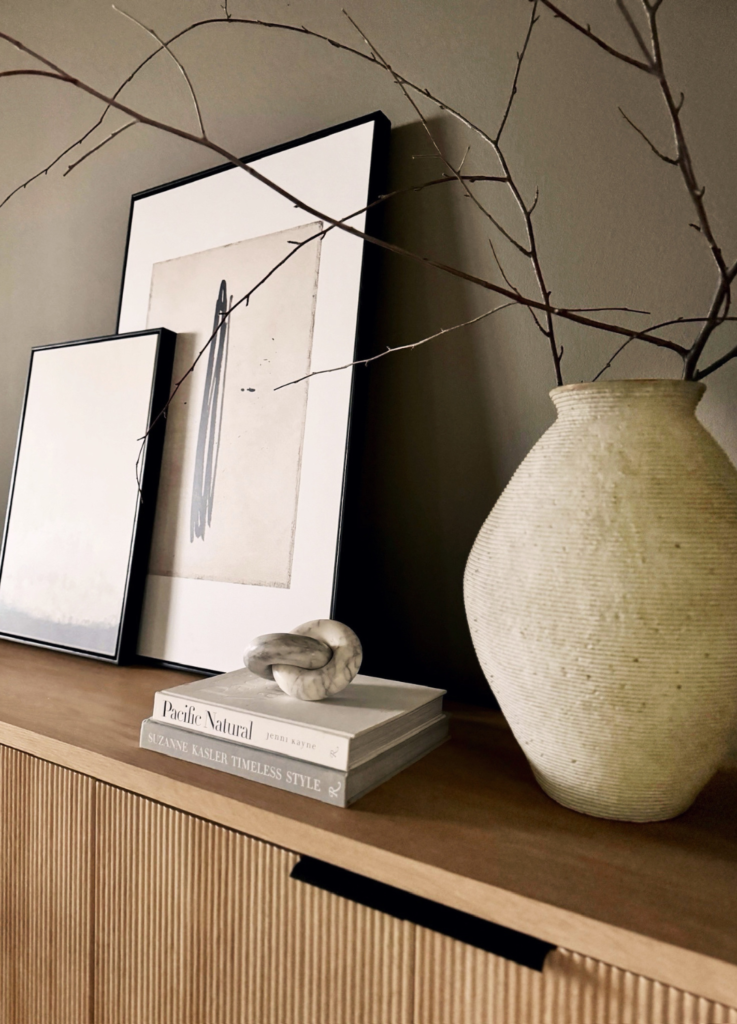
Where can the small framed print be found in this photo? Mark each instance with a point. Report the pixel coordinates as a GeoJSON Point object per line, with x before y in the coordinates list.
{"type": "Point", "coordinates": [246, 538]}
{"type": "Point", "coordinates": [83, 492]}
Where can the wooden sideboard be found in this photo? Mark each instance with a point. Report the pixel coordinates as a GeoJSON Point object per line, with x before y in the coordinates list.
{"type": "Point", "coordinates": [137, 889]}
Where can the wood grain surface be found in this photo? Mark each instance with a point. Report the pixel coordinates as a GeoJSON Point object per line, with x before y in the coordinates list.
{"type": "Point", "coordinates": [196, 923]}
{"type": "Point", "coordinates": [466, 826]}
{"type": "Point", "coordinates": [46, 891]}
{"type": "Point", "coordinates": [457, 984]}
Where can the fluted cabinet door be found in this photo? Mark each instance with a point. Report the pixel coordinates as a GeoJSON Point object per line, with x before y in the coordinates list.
{"type": "Point", "coordinates": [45, 892]}
{"type": "Point", "coordinates": [196, 924]}
{"type": "Point", "coordinates": [458, 984]}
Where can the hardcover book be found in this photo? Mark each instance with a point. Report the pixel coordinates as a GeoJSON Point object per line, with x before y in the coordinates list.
{"type": "Point", "coordinates": [316, 781]}
{"type": "Point", "coordinates": [341, 732]}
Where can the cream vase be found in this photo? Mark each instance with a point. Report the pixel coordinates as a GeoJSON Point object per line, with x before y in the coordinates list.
{"type": "Point", "coordinates": [601, 595]}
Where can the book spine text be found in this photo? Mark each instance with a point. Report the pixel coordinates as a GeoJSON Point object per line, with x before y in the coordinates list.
{"type": "Point", "coordinates": [320, 783]}
{"type": "Point", "coordinates": [241, 727]}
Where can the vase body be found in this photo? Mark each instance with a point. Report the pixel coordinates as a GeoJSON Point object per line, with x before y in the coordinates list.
{"type": "Point", "coordinates": [601, 594]}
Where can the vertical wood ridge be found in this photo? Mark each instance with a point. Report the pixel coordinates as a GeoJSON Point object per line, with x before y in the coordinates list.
{"type": "Point", "coordinates": [118, 910]}
{"type": "Point", "coordinates": [196, 924]}
{"type": "Point", "coordinates": [458, 984]}
{"type": "Point", "coordinates": [45, 891]}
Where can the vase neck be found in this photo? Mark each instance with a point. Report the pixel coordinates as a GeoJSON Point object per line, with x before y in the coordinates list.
{"type": "Point", "coordinates": [618, 397]}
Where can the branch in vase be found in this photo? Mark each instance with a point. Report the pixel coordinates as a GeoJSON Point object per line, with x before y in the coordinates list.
{"type": "Point", "coordinates": [544, 306]}
{"type": "Point", "coordinates": [398, 348]}
{"type": "Point", "coordinates": [520, 58]}
{"type": "Point", "coordinates": [98, 147]}
{"type": "Point", "coordinates": [455, 173]}
{"type": "Point", "coordinates": [717, 364]}
{"type": "Point", "coordinates": [532, 250]}
{"type": "Point", "coordinates": [654, 65]}
{"type": "Point", "coordinates": [182, 69]}
{"type": "Point", "coordinates": [586, 31]}
{"type": "Point", "coordinates": [558, 311]}
{"type": "Point", "coordinates": [684, 351]}
{"type": "Point", "coordinates": [666, 159]}
{"type": "Point", "coordinates": [627, 15]}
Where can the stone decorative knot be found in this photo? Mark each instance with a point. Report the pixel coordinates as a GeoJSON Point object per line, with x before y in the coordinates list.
{"type": "Point", "coordinates": [314, 661]}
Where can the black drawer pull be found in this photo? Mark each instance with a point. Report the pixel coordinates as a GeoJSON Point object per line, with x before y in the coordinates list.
{"type": "Point", "coordinates": [474, 931]}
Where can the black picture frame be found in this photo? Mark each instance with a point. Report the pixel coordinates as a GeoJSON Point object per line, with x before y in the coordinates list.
{"type": "Point", "coordinates": [83, 492]}
{"type": "Point", "coordinates": [208, 633]}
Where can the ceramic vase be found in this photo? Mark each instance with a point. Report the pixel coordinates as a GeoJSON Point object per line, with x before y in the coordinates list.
{"type": "Point", "coordinates": [601, 594]}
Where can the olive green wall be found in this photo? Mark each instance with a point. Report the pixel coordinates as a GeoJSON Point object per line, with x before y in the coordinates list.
{"type": "Point", "coordinates": [447, 424]}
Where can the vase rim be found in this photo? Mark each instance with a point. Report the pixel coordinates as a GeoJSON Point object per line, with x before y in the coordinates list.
{"type": "Point", "coordinates": [633, 383]}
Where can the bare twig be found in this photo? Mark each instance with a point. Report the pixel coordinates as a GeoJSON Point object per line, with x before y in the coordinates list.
{"type": "Point", "coordinates": [397, 348]}
{"type": "Point", "coordinates": [621, 348]}
{"type": "Point", "coordinates": [455, 173]}
{"type": "Point", "coordinates": [509, 284]}
{"type": "Point", "coordinates": [532, 250]}
{"type": "Point", "coordinates": [446, 179]}
{"type": "Point", "coordinates": [586, 31]}
{"type": "Point", "coordinates": [684, 351]}
{"type": "Point", "coordinates": [502, 271]}
{"type": "Point", "coordinates": [731, 354]}
{"type": "Point", "coordinates": [546, 307]}
{"type": "Point", "coordinates": [722, 299]}
{"type": "Point", "coordinates": [109, 138]}
{"type": "Point", "coordinates": [625, 11]}
{"type": "Point", "coordinates": [83, 138]}
{"type": "Point", "coordinates": [515, 80]}
{"type": "Point", "coordinates": [654, 66]}
{"type": "Point", "coordinates": [666, 159]}
{"type": "Point", "coordinates": [176, 60]}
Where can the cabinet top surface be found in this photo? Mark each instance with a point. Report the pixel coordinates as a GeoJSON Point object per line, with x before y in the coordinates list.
{"type": "Point", "coordinates": [465, 820]}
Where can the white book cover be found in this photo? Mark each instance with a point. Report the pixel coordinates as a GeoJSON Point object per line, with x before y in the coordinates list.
{"type": "Point", "coordinates": [339, 731]}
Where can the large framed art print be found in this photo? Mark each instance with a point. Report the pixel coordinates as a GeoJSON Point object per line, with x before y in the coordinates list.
{"type": "Point", "coordinates": [83, 491]}
{"type": "Point", "coordinates": [248, 519]}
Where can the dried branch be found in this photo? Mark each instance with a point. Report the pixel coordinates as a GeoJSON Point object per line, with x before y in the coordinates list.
{"type": "Point", "coordinates": [666, 159]}
{"type": "Point", "coordinates": [654, 66]}
{"type": "Point", "coordinates": [606, 366]}
{"type": "Point", "coordinates": [721, 299]}
{"type": "Point", "coordinates": [586, 31]}
{"type": "Point", "coordinates": [109, 138]}
{"type": "Point", "coordinates": [624, 9]}
{"type": "Point", "coordinates": [446, 178]}
{"type": "Point", "coordinates": [397, 348]}
{"type": "Point", "coordinates": [83, 138]}
{"type": "Point", "coordinates": [732, 354]}
{"type": "Point", "coordinates": [544, 306]}
{"type": "Point", "coordinates": [532, 250]}
{"type": "Point", "coordinates": [520, 57]}
{"type": "Point", "coordinates": [502, 271]}
{"type": "Point", "coordinates": [514, 289]}
{"type": "Point", "coordinates": [176, 60]}
{"type": "Point", "coordinates": [455, 173]}
{"type": "Point", "coordinates": [684, 351]}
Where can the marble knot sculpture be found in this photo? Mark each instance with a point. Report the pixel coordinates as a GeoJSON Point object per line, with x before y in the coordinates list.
{"type": "Point", "coordinates": [317, 659]}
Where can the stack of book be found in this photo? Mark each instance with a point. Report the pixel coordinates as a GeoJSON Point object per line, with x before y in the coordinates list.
{"type": "Point", "coordinates": [334, 750]}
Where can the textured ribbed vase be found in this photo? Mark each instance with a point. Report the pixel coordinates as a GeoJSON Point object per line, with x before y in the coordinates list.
{"type": "Point", "coordinates": [601, 594]}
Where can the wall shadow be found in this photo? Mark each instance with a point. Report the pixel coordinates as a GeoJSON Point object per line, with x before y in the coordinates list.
{"type": "Point", "coordinates": [421, 468]}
